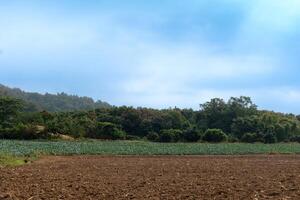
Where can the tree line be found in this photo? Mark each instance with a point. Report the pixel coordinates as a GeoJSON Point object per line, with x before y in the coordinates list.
{"type": "Point", "coordinates": [235, 120]}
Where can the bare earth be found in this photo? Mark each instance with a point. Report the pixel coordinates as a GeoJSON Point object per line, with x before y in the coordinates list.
{"type": "Point", "coordinates": [155, 177]}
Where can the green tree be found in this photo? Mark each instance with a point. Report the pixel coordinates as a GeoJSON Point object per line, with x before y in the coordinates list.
{"type": "Point", "coordinates": [9, 110]}
{"type": "Point", "coordinates": [214, 135]}
{"type": "Point", "coordinates": [191, 134]}
{"type": "Point", "coordinates": [214, 114]}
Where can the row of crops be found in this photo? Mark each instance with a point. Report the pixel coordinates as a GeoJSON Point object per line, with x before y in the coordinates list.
{"type": "Point", "coordinates": [28, 148]}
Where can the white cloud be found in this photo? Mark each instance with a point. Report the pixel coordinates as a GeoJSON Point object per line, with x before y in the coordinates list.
{"type": "Point", "coordinates": [266, 24]}
{"type": "Point", "coordinates": [173, 75]}
{"type": "Point", "coordinates": [155, 72]}
{"type": "Point", "coordinates": [276, 15]}
{"type": "Point", "coordinates": [181, 65]}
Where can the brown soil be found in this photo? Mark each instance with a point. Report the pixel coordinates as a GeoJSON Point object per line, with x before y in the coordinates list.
{"type": "Point", "coordinates": [155, 177]}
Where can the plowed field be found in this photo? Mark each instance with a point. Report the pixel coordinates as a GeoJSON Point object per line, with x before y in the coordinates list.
{"type": "Point", "coordinates": [154, 177]}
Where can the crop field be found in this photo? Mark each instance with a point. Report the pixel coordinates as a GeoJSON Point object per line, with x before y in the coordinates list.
{"type": "Point", "coordinates": [94, 147]}
{"type": "Point", "coordinates": [91, 169]}
{"type": "Point", "coordinates": [154, 177]}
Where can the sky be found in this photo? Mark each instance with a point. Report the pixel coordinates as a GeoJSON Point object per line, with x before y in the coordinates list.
{"type": "Point", "coordinates": [158, 53]}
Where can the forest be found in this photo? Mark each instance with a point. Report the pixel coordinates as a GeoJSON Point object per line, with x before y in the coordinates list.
{"type": "Point", "coordinates": [235, 120]}
{"type": "Point", "coordinates": [35, 116]}
{"type": "Point", "coordinates": [51, 102]}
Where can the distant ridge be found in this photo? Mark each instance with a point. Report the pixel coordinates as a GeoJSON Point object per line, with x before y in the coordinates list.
{"type": "Point", "coordinates": [52, 102]}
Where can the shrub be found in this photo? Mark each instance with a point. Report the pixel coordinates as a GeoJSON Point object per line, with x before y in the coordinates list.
{"type": "Point", "coordinates": [166, 136]}
{"type": "Point", "coordinates": [152, 136]}
{"type": "Point", "coordinates": [170, 135]}
{"type": "Point", "coordinates": [177, 135]}
{"type": "Point", "coordinates": [251, 138]}
{"type": "Point", "coordinates": [132, 137]}
{"type": "Point", "coordinates": [214, 135]}
{"type": "Point", "coordinates": [295, 139]}
{"type": "Point", "coordinates": [29, 132]}
{"type": "Point", "coordinates": [24, 132]}
{"type": "Point", "coordinates": [191, 135]}
{"type": "Point", "coordinates": [232, 139]}
{"type": "Point", "coordinates": [270, 138]}
{"type": "Point", "coordinates": [107, 130]}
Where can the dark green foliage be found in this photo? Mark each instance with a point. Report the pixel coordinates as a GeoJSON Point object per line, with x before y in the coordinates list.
{"type": "Point", "coordinates": [270, 138]}
{"type": "Point", "coordinates": [166, 136]}
{"type": "Point", "coordinates": [170, 135]}
{"type": "Point", "coordinates": [252, 137]}
{"type": "Point", "coordinates": [106, 130]}
{"type": "Point", "coordinates": [130, 120]}
{"type": "Point", "coordinates": [214, 135]}
{"type": "Point", "coordinates": [219, 114]}
{"type": "Point", "coordinates": [243, 125]}
{"type": "Point", "coordinates": [232, 139]}
{"type": "Point", "coordinates": [24, 132]}
{"type": "Point", "coordinates": [152, 136]}
{"type": "Point", "coordinates": [132, 137]}
{"type": "Point", "coordinates": [238, 117]}
{"type": "Point", "coordinates": [191, 135]}
{"type": "Point", "coordinates": [295, 139]}
{"type": "Point", "coordinates": [9, 110]}
{"type": "Point", "coordinates": [177, 135]}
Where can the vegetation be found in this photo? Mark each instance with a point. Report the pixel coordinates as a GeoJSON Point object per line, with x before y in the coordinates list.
{"type": "Point", "coordinates": [50, 102]}
{"type": "Point", "coordinates": [214, 135]}
{"type": "Point", "coordinates": [237, 120]}
{"type": "Point", "coordinates": [106, 130]}
{"type": "Point", "coordinates": [12, 161]}
{"type": "Point", "coordinates": [98, 147]}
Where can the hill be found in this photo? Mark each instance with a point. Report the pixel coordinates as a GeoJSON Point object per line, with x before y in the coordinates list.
{"type": "Point", "coordinates": [52, 102]}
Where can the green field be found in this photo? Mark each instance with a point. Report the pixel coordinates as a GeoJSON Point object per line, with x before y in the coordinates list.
{"type": "Point", "coordinates": [29, 148]}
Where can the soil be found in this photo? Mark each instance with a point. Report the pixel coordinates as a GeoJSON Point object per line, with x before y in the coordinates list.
{"type": "Point", "coordinates": [154, 177]}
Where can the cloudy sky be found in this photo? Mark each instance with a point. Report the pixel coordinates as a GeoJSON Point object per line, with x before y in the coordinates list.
{"type": "Point", "coordinates": [157, 53]}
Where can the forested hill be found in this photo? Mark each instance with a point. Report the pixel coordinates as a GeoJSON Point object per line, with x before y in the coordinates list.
{"type": "Point", "coordinates": [52, 102]}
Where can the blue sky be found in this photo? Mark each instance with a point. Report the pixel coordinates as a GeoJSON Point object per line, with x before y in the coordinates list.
{"type": "Point", "coordinates": [157, 53]}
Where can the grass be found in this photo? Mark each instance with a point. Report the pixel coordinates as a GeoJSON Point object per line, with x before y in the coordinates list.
{"type": "Point", "coordinates": [29, 148]}
{"type": "Point", "coordinates": [12, 161]}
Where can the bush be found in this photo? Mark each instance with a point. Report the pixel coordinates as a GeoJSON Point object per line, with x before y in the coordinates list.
{"type": "Point", "coordinates": [270, 138]}
{"type": "Point", "coordinates": [295, 139]}
{"type": "Point", "coordinates": [24, 132]}
{"type": "Point", "coordinates": [166, 136]}
{"type": "Point", "coordinates": [251, 138]}
{"type": "Point", "coordinates": [232, 139]}
{"type": "Point", "coordinates": [191, 135]}
{"type": "Point", "coordinates": [214, 135]}
{"type": "Point", "coordinates": [106, 130]}
{"type": "Point", "coordinates": [177, 135]}
{"type": "Point", "coordinates": [132, 137]}
{"type": "Point", "coordinates": [152, 136]}
{"type": "Point", "coordinates": [170, 135]}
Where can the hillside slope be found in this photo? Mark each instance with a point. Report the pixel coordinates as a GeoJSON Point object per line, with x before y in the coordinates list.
{"type": "Point", "coordinates": [52, 102]}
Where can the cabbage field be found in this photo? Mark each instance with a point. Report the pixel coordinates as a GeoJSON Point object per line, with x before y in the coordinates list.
{"type": "Point", "coordinates": [96, 147]}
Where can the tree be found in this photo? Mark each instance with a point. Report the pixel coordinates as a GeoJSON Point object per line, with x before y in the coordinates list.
{"type": "Point", "coordinates": [170, 135]}
{"type": "Point", "coordinates": [214, 135]}
{"type": "Point", "coordinates": [9, 110]}
{"type": "Point", "coordinates": [107, 130]}
{"type": "Point", "coordinates": [252, 137]}
{"type": "Point", "coordinates": [270, 138]}
{"type": "Point", "coordinates": [152, 136]}
{"type": "Point", "coordinates": [191, 134]}
{"type": "Point", "coordinates": [240, 107]}
{"type": "Point", "coordinates": [213, 114]}
{"type": "Point", "coordinates": [242, 125]}
{"type": "Point", "coordinates": [130, 120]}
